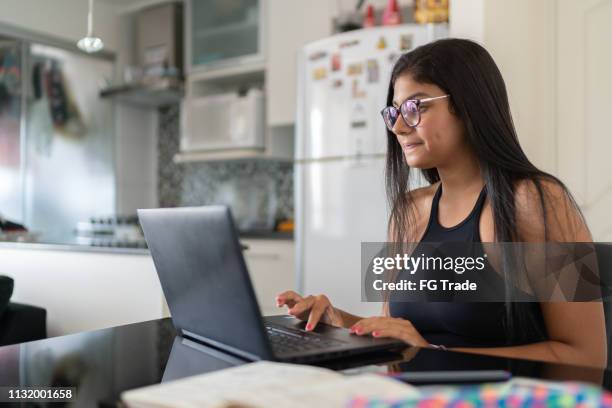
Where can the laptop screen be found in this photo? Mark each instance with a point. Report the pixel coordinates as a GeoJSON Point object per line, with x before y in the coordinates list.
{"type": "Point", "coordinates": [204, 277]}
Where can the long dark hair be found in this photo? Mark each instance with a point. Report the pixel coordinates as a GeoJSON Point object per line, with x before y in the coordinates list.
{"type": "Point", "coordinates": [465, 70]}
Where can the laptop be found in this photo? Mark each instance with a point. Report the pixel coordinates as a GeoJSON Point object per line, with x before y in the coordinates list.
{"type": "Point", "coordinates": [206, 283]}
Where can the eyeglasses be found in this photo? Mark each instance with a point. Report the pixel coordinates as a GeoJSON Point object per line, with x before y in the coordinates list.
{"type": "Point", "coordinates": [410, 111]}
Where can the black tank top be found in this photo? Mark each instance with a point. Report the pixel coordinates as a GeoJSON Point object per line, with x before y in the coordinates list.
{"type": "Point", "coordinates": [464, 324]}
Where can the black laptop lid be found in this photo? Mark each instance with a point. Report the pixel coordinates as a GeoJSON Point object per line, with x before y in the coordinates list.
{"type": "Point", "coordinates": [204, 278]}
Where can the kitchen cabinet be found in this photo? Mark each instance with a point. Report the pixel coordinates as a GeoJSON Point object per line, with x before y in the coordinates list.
{"type": "Point", "coordinates": [267, 61]}
{"type": "Point", "coordinates": [225, 55]}
{"type": "Point", "coordinates": [84, 289]}
{"type": "Point", "coordinates": [291, 24]}
{"type": "Point", "coordinates": [223, 33]}
{"type": "Point", "coordinates": [271, 264]}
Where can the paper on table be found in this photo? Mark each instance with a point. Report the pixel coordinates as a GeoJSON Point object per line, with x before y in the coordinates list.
{"type": "Point", "coordinates": [265, 384]}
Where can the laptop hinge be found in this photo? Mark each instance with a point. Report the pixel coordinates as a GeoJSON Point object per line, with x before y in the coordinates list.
{"type": "Point", "coordinates": [220, 346]}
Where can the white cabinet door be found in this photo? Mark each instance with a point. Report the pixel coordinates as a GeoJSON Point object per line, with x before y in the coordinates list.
{"type": "Point", "coordinates": [272, 270]}
{"type": "Point", "coordinates": [291, 24]}
{"type": "Point", "coordinates": [223, 34]}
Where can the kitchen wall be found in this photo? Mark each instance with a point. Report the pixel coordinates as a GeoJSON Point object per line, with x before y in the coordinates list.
{"type": "Point", "coordinates": [520, 35]}
{"type": "Point", "coordinates": [259, 191]}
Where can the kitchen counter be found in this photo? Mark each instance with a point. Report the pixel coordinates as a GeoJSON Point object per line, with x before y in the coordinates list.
{"type": "Point", "coordinates": [260, 234]}
{"type": "Point", "coordinates": [108, 246]}
{"type": "Point", "coordinates": [119, 285]}
{"type": "Point", "coordinates": [67, 246]}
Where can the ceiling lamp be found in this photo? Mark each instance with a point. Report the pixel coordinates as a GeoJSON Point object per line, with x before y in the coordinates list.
{"type": "Point", "coordinates": [90, 43]}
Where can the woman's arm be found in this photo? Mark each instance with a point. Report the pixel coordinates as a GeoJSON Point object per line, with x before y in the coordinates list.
{"type": "Point", "coordinates": [577, 336]}
{"type": "Point", "coordinates": [576, 330]}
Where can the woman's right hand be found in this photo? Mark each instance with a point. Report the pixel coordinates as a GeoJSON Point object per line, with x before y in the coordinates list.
{"type": "Point", "coordinates": [312, 309]}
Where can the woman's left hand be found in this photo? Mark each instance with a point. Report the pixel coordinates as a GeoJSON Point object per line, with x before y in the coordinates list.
{"type": "Point", "coordinates": [396, 328]}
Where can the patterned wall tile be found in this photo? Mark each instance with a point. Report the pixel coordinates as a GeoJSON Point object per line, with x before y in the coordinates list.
{"type": "Point", "coordinates": [258, 191]}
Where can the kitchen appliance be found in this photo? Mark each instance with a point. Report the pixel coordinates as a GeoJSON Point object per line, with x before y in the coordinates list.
{"type": "Point", "coordinates": [113, 232]}
{"type": "Point", "coordinates": [223, 121]}
{"type": "Point", "coordinates": [341, 140]}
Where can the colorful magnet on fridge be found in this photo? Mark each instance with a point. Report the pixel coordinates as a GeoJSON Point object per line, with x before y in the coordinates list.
{"type": "Point", "coordinates": [405, 42]}
{"type": "Point", "coordinates": [357, 92]}
{"type": "Point", "coordinates": [317, 55]}
{"type": "Point", "coordinates": [349, 43]}
{"type": "Point", "coordinates": [337, 83]}
{"type": "Point", "coordinates": [336, 62]}
{"type": "Point", "coordinates": [354, 69]}
{"type": "Point", "coordinates": [358, 116]}
{"type": "Point", "coordinates": [372, 70]}
{"type": "Point", "coordinates": [319, 73]}
{"type": "Point", "coordinates": [382, 43]}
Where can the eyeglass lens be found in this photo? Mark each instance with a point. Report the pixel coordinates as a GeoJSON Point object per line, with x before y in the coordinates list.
{"type": "Point", "coordinates": [409, 110]}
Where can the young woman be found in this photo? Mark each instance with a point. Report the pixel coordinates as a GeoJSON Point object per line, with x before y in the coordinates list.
{"type": "Point", "coordinates": [448, 115]}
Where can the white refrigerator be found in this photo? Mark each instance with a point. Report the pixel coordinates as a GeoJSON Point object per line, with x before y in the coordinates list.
{"type": "Point", "coordinates": [340, 198]}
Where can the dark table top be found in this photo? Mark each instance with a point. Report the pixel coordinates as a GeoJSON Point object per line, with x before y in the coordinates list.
{"type": "Point", "coordinates": [103, 363]}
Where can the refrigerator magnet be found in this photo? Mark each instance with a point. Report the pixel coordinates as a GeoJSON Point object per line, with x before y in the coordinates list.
{"type": "Point", "coordinates": [372, 71]}
{"type": "Point", "coordinates": [317, 55]}
{"type": "Point", "coordinates": [354, 69]}
{"type": "Point", "coordinates": [336, 62]}
{"type": "Point", "coordinates": [319, 73]}
{"type": "Point", "coordinates": [393, 57]}
{"type": "Point", "coordinates": [405, 42]}
{"type": "Point", "coordinates": [382, 43]}
{"type": "Point", "coordinates": [357, 91]}
{"type": "Point", "coordinates": [358, 116]}
{"type": "Point", "coordinates": [356, 124]}
{"type": "Point", "coordinates": [349, 43]}
{"type": "Point", "coordinates": [337, 83]}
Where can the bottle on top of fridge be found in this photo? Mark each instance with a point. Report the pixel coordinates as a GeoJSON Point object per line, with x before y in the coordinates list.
{"type": "Point", "coordinates": [392, 15]}
{"type": "Point", "coordinates": [369, 19]}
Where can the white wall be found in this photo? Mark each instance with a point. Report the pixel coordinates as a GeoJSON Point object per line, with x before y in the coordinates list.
{"type": "Point", "coordinates": [520, 34]}
{"type": "Point", "coordinates": [66, 19]}
{"type": "Point", "coordinates": [135, 158]}
{"type": "Point", "coordinates": [521, 37]}
{"type": "Point", "coordinates": [467, 19]}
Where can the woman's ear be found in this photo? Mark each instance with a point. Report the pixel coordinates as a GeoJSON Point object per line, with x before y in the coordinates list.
{"type": "Point", "coordinates": [451, 107]}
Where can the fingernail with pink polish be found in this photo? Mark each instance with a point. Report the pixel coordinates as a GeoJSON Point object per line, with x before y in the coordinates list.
{"type": "Point", "coordinates": [375, 333]}
{"type": "Point", "coordinates": [309, 326]}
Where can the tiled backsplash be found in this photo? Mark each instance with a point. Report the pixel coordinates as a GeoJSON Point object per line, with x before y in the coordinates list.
{"type": "Point", "coordinates": [259, 191]}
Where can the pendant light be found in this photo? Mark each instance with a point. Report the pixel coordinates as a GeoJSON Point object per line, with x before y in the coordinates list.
{"type": "Point", "coordinates": [90, 43]}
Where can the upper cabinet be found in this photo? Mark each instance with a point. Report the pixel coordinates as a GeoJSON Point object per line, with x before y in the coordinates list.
{"type": "Point", "coordinates": [236, 48]}
{"type": "Point", "coordinates": [223, 33]}
{"type": "Point", "coordinates": [291, 25]}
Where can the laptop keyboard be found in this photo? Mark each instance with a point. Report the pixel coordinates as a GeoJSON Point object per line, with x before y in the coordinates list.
{"type": "Point", "coordinates": [286, 340]}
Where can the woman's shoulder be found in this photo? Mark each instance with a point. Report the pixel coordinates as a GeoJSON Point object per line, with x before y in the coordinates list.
{"type": "Point", "coordinates": [527, 191]}
{"type": "Point", "coordinates": [422, 198]}
{"type": "Point", "coordinates": [545, 210]}
{"type": "Point", "coordinates": [533, 196]}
